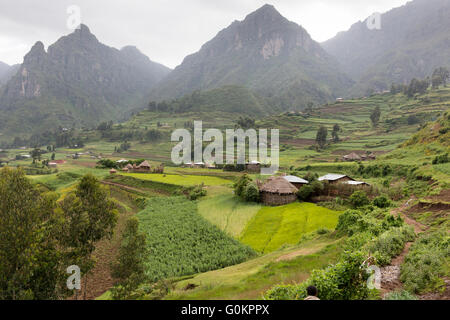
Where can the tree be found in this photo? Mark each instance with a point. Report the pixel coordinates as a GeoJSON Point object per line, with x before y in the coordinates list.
{"type": "Point", "coordinates": [251, 193]}
{"type": "Point", "coordinates": [335, 133]}
{"type": "Point", "coordinates": [375, 116]}
{"type": "Point", "coordinates": [359, 199]}
{"type": "Point", "coordinates": [31, 263]}
{"type": "Point", "coordinates": [36, 155]}
{"type": "Point", "coordinates": [321, 138]}
{"type": "Point", "coordinates": [440, 77]}
{"type": "Point", "coordinates": [129, 269]}
{"type": "Point", "coordinates": [99, 217]}
{"type": "Point", "coordinates": [241, 184]}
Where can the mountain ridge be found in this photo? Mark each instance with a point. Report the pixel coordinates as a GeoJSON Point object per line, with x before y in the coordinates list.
{"type": "Point", "coordinates": [412, 41]}
{"type": "Point", "coordinates": [264, 52]}
{"type": "Point", "coordinates": [77, 82]}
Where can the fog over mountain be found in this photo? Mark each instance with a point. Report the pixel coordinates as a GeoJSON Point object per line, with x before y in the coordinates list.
{"type": "Point", "coordinates": [413, 40]}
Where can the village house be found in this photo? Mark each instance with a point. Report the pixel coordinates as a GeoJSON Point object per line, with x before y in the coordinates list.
{"type": "Point", "coordinates": [356, 157]}
{"type": "Point", "coordinates": [296, 181]}
{"type": "Point", "coordinates": [199, 165]}
{"type": "Point", "coordinates": [52, 165]}
{"type": "Point", "coordinates": [358, 183]}
{"type": "Point", "coordinates": [352, 157]}
{"type": "Point", "coordinates": [113, 171]}
{"type": "Point", "coordinates": [253, 167]}
{"type": "Point", "coordinates": [144, 167]}
{"type": "Point", "coordinates": [278, 191]}
{"type": "Point", "coordinates": [334, 178]}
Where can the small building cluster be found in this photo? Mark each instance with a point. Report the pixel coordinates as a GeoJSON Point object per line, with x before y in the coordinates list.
{"type": "Point", "coordinates": [278, 191]}
{"type": "Point", "coordinates": [281, 190]}
{"type": "Point", "coordinates": [334, 178]}
{"type": "Point", "coordinates": [144, 167]}
{"type": "Point", "coordinates": [357, 157]}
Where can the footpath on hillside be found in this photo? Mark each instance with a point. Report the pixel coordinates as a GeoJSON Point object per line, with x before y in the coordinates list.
{"type": "Point", "coordinates": [391, 274]}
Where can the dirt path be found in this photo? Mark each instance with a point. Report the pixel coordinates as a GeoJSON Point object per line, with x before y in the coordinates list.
{"type": "Point", "coordinates": [391, 273]}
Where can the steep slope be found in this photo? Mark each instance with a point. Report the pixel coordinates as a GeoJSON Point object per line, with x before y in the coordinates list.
{"type": "Point", "coordinates": [77, 82]}
{"type": "Point", "coordinates": [6, 72]}
{"type": "Point", "coordinates": [413, 40]}
{"type": "Point", "coordinates": [231, 99]}
{"type": "Point", "coordinates": [266, 53]}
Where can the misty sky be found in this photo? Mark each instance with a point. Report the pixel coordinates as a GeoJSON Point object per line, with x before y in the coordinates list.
{"type": "Point", "coordinates": [165, 30]}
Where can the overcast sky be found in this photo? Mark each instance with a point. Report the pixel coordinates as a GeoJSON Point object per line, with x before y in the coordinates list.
{"type": "Point", "coordinates": [165, 30]}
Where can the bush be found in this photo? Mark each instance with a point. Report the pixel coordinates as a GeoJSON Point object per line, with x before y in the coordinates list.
{"type": "Point", "coordinates": [345, 280]}
{"type": "Point", "coordinates": [359, 199]}
{"type": "Point", "coordinates": [390, 244]}
{"type": "Point", "coordinates": [400, 295]}
{"type": "Point", "coordinates": [241, 184]}
{"type": "Point", "coordinates": [251, 193]}
{"type": "Point", "coordinates": [305, 193]}
{"type": "Point", "coordinates": [197, 192]}
{"type": "Point", "coordinates": [426, 262]}
{"type": "Point", "coordinates": [441, 159]}
{"type": "Point", "coordinates": [381, 202]}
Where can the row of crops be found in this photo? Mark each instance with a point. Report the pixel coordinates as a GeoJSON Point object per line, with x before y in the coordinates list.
{"type": "Point", "coordinates": [181, 242]}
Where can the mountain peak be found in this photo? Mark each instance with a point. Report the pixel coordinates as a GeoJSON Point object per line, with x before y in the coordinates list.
{"type": "Point", "coordinates": [267, 11]}
{"type": "Point", "coordinates": [36, 53]}
{"type": "Point", "coordinates": [84, 33]}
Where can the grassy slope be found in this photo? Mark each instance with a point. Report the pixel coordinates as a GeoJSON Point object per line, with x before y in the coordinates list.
{"type": "Point", "coordinates": [274, 227]}
{"type": "Point", "coordinates": [227, 212]}
{"type": "Point", "coordinates": [250, 279]}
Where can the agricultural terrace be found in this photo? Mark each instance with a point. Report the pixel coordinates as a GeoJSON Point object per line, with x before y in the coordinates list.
{"type": "Point", "coordinates": [181, 242]}
{"type": "Point", "coordinates": [272, 228]}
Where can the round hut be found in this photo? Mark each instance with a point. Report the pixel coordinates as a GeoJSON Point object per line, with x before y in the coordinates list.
{"type": "Point", "coordinates": [278, 191]}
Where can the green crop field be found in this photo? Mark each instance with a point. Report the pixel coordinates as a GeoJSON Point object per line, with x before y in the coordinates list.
{"type": "Point", "coordinates": [181, 242]}
{"type": "Point", "coordinates": [182, 180]}
{"type": "Point", "coordinates": [228, 212]}
{"type": "Point", "coordinates": [273, 227]}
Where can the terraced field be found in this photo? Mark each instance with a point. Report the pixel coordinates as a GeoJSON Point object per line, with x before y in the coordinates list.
{"type": "Point", "coordinates": [273, 227]}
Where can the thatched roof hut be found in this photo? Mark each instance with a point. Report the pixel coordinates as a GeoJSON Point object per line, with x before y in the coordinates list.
{"type": "Point", "coordinates": [144, 165]}
{"type": "Point", "coordinates": [113, 171]}
{"type": "Point", "coordinates": [278, 191]}
{"type": "Point", "coordinates": [352, 157]}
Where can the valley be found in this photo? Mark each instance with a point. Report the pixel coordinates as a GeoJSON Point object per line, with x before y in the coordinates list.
{"type": "Point", "coordinates": [88, 179]}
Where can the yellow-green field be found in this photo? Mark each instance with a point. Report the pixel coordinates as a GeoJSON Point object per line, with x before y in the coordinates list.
{"type": "Point", "coordinates": [228, 212]}
{"type": "Point", "coordinates": [273, 227]}
{"type": "Point", "coordinates": [181, 180]}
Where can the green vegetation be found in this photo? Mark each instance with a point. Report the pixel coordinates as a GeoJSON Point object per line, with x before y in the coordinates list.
{"type": "Point", "coordinates": [271, 228]}
{"type": "Point", "coordinates": [129, 268]}
{"type": "Point", "coordinates": [228, 212]}
{"type": "Point", "coordinates": [181, 242]}
{"type": "Point", "coordinates": [181, 180]}
{"type": "Point", "coordinates": [427, 262]}
{"type": "Point", "coordinates": [346, 280]}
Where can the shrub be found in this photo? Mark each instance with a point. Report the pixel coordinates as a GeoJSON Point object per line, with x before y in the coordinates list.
{"type": "Point", "coordinates": [426, 262]}
{"type": "Point", "coordinates": [345, 280]}
{"type": "Point", "coordinates": [241, 184]}
{"type": "Point", "coordinates": [400, 295]}
{"type": "Point", "coordinates": [359, 199]}
{"type": "Point", "coordinates": [251, 193]}
{"type": "Point", "coordinates": [390, 244]}
{"type": "Point", "coordinates": [441, 159]}
{"type": "Point", "coordinates": [305, 193]}
{"type": "Point", "coordinates": [197, 192]}
{"type": "Point", "coordinates": [381, 202]}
